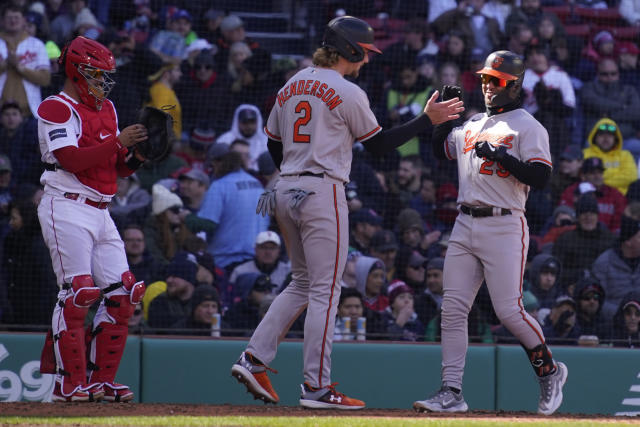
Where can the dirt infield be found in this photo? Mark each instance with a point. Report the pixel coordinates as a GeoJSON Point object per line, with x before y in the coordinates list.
{"type": "Point", "coordinates": [36, 409]}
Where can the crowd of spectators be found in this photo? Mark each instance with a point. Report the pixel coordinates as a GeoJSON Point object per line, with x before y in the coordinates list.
{"type": "Point", "coordinates": [188, 222]}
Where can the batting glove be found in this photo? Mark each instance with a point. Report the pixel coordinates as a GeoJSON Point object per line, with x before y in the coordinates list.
{"type": "Point", "coordinates": [486, 150]}
{"type": "Point", "coordinates": [450, 92]}
{"type": "Point", "coordinates": [267, 203]}
{"type": "Point", "coordinates": [298, 196]}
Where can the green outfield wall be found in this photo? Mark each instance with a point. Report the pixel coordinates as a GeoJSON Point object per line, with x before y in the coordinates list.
{"type": "Point", "coordinates": [601, 380]}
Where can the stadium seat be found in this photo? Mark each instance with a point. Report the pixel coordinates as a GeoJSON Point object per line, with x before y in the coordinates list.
{"type": "Point", "coordinates": [578, 30]}
{"type": "Point", "coordinates": [563, 12]}
{"type": "Point", "coordinates": [609, 16]}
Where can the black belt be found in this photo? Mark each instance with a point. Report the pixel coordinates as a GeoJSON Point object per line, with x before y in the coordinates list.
{"type": "Point", "coordinates": [315, 175]}
{"type": "Point", "coordinates": [483, 212]}
{"type": "Point", "coordinates": [52, 167]}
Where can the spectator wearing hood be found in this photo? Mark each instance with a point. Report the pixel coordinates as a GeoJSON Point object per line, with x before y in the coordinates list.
{"type": "Point", "coordinates": [131, 203]}
{"type": "Point", "coordinates": [605, 142]}
{"type": "Point", "coordinates": [205, 302]}
{"type": "Point", "coordinates": [618, 268]}
{"type": "Point", "coordinates": [577, 249]}
{"type": "Point", "coordinates": [626, 322]}
{"type": "Point", "coordinates": [611, 202]}
{"type": "Point", "coordinates": [249, 290]}
{"type": "Point", "coordinates": [169, 308]}
{"type": "Point", "coordinates": [401, 321]}
{"type": "Point", "coordinates": [370, 281]}
{"type": "Point", "coordinates": [544, 273]}
{"type": "Point", "coordinates": [590, 297]}
{"type": "Point", "coordinates": [607, 96]}
{"type": "Point", "coordinates": [247, 125]}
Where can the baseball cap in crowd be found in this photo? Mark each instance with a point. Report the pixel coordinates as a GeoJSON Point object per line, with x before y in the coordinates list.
{"type": "Point", "coordinates": [529, 301]}
{"type": "Point", "coordinates": [195, 174]}
{"type": "Point", "coordinates": [550, 265]}
{"type": "Point", "coordinates": [588, 285]}
{"type": "Point", "coordinates": [217, 150]}
{"type": "Point", "coordinates": [587, 203]}
{"type": "Point", "coordinates": [213, 14]}
{"type": "Point", "coordinates": [416, 260]}
{"type": "Point", "coordinates": [564, 299]}
{"type": "Point", "coordinates": [247, 115]}
{"type": "Point", "coordinates": [436, 263]}
{"type": "Point", "coordinates": [5, 163]}
{"type": "Point", "coordinates": [383, 241]}
{"type": "Point", "coordinates": [396, 288]}
{"type": "Point", "coordinates": [266, 166]}
{"type": "Point", "coordinates": [163, 199]}
{"type": "Point", "coordinates": [564, 209]}
{"type": "Point", "coordinates": [181, 14]}
{"type": "Point", "coordinates": [366, 215]}
{"type": "Point", "coordinates": [184, 266]}
{"type": "Point", "coordinates": [204, 48]}
{"type": "Point", "coordinates": [627, 47]}
{"type": "Point", "coordinates": [592, 163]}
{"type": "Point", "coordinates": [231, 22]}
{"type": "Point", "coordinates": [571, 152]}
{"type": "Point", "coordinates": [628, 228]}
{"type": "Point", "coordinates": [268, 236]}
{"type": "Point", "coordinates": [204, 293]}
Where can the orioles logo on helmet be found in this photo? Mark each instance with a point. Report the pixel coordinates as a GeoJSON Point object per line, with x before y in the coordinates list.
{"type": "Point", "coordinates": [497, 62]}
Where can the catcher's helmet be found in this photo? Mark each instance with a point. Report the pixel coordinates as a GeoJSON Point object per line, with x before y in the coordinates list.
{"type": "Point", "coordinates": [508, 66]}
{"type": "Point", "coordinates": [87, 64]}
{"type": "Point", "coordinates": [350, 36]}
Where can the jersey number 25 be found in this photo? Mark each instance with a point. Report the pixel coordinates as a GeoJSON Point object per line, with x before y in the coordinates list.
{"type": "Point", "coordinates": [305, 108]}
{"type": "Point", "coordinates": [486, 169]}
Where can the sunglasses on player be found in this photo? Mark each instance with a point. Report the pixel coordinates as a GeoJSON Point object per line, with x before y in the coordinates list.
{"type": "Point", "coordinates": [486, 79]}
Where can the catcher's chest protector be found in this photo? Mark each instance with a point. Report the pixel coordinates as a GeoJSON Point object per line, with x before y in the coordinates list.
{"type": "Point", "coordinates": [97, 127]}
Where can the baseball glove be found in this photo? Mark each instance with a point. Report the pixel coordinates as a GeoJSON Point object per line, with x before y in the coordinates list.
{"type": "Point", "coordinates": [160, 131]}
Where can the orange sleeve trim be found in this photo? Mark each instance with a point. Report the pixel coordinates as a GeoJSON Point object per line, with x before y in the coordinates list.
{"type": "Point", "coordinates": [541, 160]}
{"type": "Point", "coordinates": [270, 135]}
{"type": "Point", "coordinates": [367, 135]}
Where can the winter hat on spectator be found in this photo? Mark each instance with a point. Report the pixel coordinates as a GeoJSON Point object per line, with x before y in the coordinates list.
{"type": "Point", "coordinates": [231, 22]}
{"type": "Point", "coordinates": [447, 192]}
{"type": "Point", "coordinates": [86, 19]}
{"type": "Point", "coordinates": [564, 209]}
{"type": "Point", "coordinates": [631, 303]}
{"type": "Point", "coordinates": [266, 166]}
{"type": "Point", "coordinates": [436, 263]}
{"type": "Point", "coordinates": [184, 266]}
{"type": "Point", "coordinates": [201, 138]}
{"type": "Point", "coordinates": [163, 199]}
{"type": "Point", "coordinates": [628, 228]}
{"type": "Point", "coordinates": [587, 203]}
{"type": "Point", "coordinates": [396, 288]}
{"type": "Point", "coordinates": [627, 47]}
{"type": "Point", "coordinates": [204, 293]}
{"type": "Point", "coordinates": [407, 219]}
{"type": "Point", "coordinates": [365, 215]}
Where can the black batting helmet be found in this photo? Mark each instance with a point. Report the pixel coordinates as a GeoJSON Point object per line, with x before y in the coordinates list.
{"type": "Point", "coordinates": [350, 36]}
{"type": "Point", "coordinates": [508, 66]}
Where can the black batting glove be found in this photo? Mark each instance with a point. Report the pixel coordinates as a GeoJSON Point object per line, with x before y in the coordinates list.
{"type": "Point", "coordinates": [486, 150]}
{"type": "Point", "coordinates": [450, 92]}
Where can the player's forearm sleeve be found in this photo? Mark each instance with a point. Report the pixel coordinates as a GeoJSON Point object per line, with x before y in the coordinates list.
{"type": "Point", "coordinates": [438, 137]}
{"type": "Point", "coordinates": [388, 140]}
{"type": "Point", "coordinates": [275, 150]}
{"type": "Point", "coordinates": [74, 159]}
{"type": "Point", "coordinates": [534, 174]}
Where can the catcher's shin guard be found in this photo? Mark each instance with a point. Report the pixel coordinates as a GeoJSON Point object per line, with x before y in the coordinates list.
{"type": "Point", "coordinates": [109, 335]}
{"type": "Point", "coordinates": [68, 336]}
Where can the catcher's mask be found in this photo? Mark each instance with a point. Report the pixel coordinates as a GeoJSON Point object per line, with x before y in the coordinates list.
{"type": "Point", "coordinates": [88, 65]}
{"type": "Point", "coordinates": [505, 69]}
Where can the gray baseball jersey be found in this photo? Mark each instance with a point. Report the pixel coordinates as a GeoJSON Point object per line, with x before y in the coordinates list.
{"type": "Point", "coordinates": [491, 248]}
{"type": "Point", "coordinates": [318, 115]}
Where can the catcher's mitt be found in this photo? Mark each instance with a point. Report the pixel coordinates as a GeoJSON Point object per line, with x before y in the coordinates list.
{"type": "Point", "coordinates": [160, 131]}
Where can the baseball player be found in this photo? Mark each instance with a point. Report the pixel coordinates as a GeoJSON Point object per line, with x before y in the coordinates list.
{"type": "Point", "coordinates": [317, 117]}
{"type": "Point", "coordinates": [500, 154]}
{"type": "Point", "coordinates": [84, 153]}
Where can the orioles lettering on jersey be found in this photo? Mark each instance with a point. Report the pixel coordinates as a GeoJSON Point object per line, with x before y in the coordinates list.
{"type": "Point", "coordinates": [313, 88]}
{"type": "Point", "coordinates": [495, 140]}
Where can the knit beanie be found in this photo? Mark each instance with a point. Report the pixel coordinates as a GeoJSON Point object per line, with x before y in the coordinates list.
{"type": "Point", "coordinates": [163, 199]}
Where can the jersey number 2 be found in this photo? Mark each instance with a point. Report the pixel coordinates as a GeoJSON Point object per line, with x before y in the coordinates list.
{"type": "Point", "coordinates": [305, 108]}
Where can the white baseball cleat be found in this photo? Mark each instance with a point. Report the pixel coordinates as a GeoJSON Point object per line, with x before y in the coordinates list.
{"type": "Point", "coordinates": [551, 389]}
{"type": "Point", "coordinates": [444, 400]}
